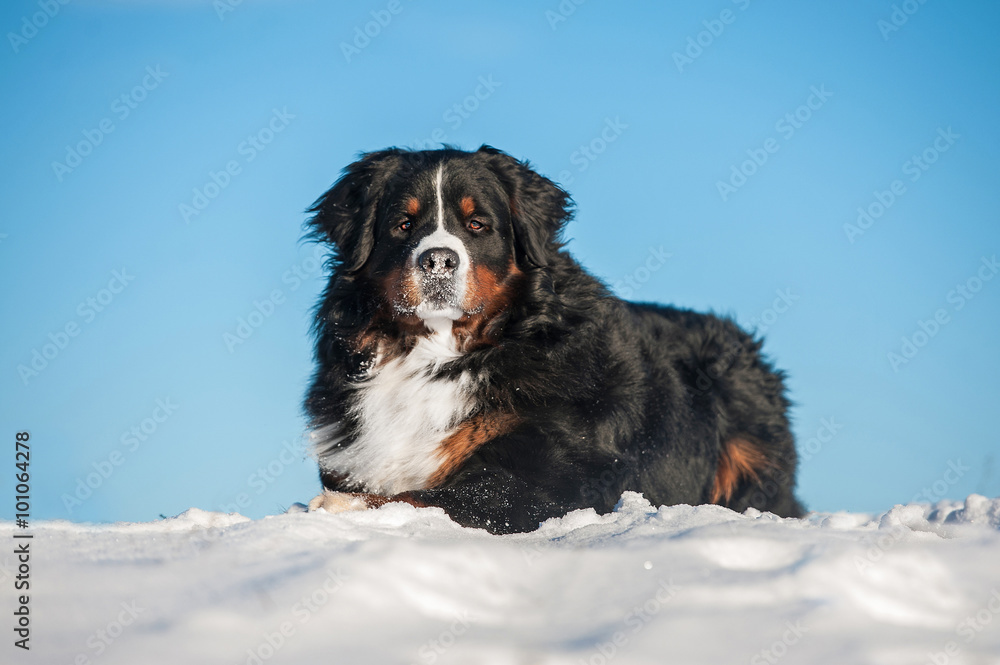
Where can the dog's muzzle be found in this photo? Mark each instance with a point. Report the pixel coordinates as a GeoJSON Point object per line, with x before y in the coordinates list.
{"type": "Point", "coordinates": [438, 276]}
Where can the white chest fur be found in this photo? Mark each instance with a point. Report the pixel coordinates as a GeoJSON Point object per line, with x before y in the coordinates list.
{"type": "Point", "coordinates": [404, 413]}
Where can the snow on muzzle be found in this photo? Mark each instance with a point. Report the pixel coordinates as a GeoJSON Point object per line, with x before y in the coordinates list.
{"type": "Point", "coordinates": [440, 275]}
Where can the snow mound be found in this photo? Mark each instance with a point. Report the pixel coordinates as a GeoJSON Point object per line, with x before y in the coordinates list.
{"type": "Point", "coordinates": [675, 584]}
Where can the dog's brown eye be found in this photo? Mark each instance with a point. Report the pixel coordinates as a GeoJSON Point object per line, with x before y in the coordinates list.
{"type": "Point", "coordinates": [476, 226]}
{"type": "Point", "coordinates": [405, 226]}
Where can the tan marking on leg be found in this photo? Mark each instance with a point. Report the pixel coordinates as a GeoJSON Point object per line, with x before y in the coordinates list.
{"type": "Point", "coordinates": [469, 436]}
{"type": "Point", "coordinates": [740, 458]}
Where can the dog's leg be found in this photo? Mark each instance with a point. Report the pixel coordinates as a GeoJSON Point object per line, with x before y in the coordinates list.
{"type": "Point", "coordinates": [337, 502]}
{"type": "Point", "coordinates": [341, 502]}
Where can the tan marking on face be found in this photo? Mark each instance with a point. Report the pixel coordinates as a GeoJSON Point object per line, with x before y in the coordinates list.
{"type": "Point", "coordinates": [484, 288]}
{"type": "Point", "coordinates": [412, 206]}
{"type": "Point", "coordinates": [486, 296]}
{"type": "Point", "coordinates": [467, 206]}
{"type": "Point", "coordinates": [389, 334]}
{"type": "Point", "coordinates": [399, 287]}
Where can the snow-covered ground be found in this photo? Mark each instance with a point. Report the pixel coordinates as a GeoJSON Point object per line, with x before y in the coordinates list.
{"type": "Point", "coordinates": [680, 584]}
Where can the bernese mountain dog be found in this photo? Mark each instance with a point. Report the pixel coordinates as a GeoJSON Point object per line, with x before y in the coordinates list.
{"type": "Point", "coordinates": [465, 360]}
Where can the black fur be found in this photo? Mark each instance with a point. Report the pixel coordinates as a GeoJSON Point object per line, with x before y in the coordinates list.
{"type": "Point", "coordinates": [609, 395]}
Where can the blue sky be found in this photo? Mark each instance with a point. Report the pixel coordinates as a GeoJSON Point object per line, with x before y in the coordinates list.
{"type": "Point", "coordinates": [158, 157]}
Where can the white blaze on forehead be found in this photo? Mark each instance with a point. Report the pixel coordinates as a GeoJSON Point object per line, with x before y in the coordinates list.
{"type": "Point", "coordinates": [440, 196]}
{"type": "Point", "coordinates": [440, 237]}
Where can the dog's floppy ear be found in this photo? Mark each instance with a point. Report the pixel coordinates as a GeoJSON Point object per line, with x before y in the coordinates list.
{"type": "Point", "coordinates": [345, 215]}
{"type": "Point", "coordinates": [539, 208]}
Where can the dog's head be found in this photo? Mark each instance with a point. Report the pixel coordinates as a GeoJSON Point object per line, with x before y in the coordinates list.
{"type": "Point", "coordinates": [424, 238]}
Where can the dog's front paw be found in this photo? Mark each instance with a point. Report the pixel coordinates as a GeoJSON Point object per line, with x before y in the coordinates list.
{"type": "Point", "coordinates": [337, 502]}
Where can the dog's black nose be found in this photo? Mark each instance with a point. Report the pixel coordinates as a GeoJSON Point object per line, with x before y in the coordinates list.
{"type": "Point", "coordinates": [439, 261]}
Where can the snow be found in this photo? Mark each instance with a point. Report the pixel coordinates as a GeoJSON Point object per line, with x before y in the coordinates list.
{"type": "Point", "coordinates": [680, 584]}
